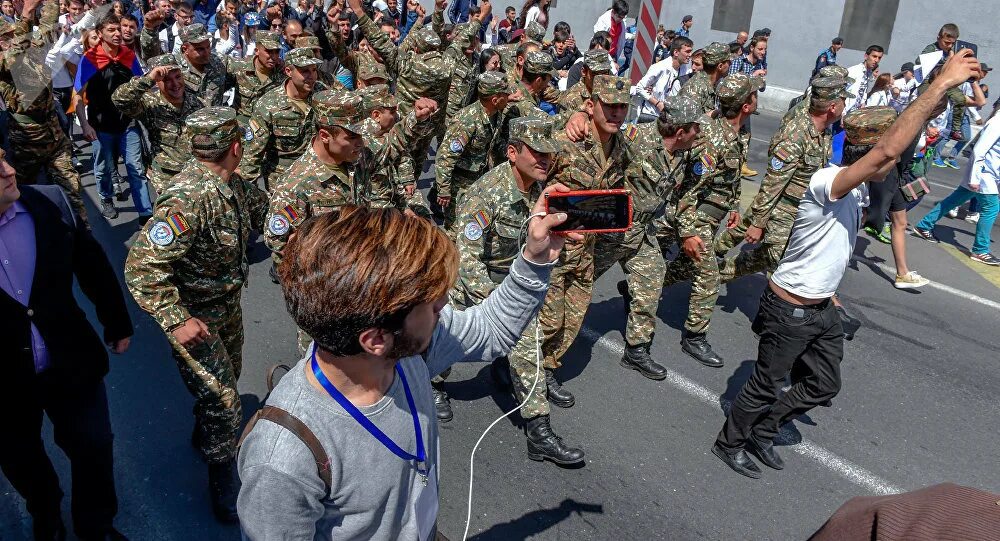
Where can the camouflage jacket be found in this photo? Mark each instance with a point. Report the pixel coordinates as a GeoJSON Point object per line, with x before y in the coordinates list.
{"type": "Point", "coordinates": [208, 85]}
{"type": "Point", "coordinates": [193, 250]}
{"type": "Point", "coordinates": [797, 151]}
{"type": "Point", "coordinates": [652, 174]}
{"type": "Point", "coordinates": [309, 188]}
{"type": "Point", "coordinates": [164, 122]}
{"type": "Point", "coordinates": [463, 71]}
{"type": "Point", "coordinates": [573, 98]}
{"type": "Point", "coordinates": [281, 132]}
{"type": "Point", "coordinates": [508, 56]}
{"type": "Point", "coordinates": [464, 151]}
{"type": "Point", "coordinates": [387, 160]}
{"type": "Point", "coordinates": [488, 231]}
{"type": "Point", "coordinates": [527, 106]}
{"type": "Point", "coordinates": [711, 185]}
{"type": "Point", "coordinates": [351, 60]}
{"type": "Point", "coordinates": [26, 82]}
{"type": "Point", "coordinates": [699, 88]}
{"type": "Point", "coordinates": [250, 86]}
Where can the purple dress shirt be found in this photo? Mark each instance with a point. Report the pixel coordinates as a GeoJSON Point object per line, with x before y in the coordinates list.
{"type": "Point", "coordinates": [17, 268]}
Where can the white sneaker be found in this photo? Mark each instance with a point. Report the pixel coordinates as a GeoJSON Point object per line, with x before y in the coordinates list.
{"type": "Point", "coordinates": [953, 213]}
{"type": "Point", "coordinates": [972, 218]}
{"type": "Point", "coordinates": [911, 280]}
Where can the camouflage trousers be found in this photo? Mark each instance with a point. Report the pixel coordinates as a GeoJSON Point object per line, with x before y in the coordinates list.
{"type": "Point", "coordinates": [704, 275]}
{"type": "Point", "coordinates": [763, 257]}
{"type": "Point", "coordinates": [46, 146]}
{"type": "Point", "coordinates": [570, 289]}
{"type": "Point", "coordinates": [217, 409]}
{"type": "Point", "coordinates": [641, 259]}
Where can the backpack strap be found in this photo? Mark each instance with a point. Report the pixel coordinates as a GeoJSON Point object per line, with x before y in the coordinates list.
{"type": "Point", "coordinates": [302, 432]}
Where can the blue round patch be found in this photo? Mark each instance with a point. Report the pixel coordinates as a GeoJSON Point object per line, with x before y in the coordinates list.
{"type": "Point", "coordinates": [278, 225]}
{"type": "Point", "coordinates": [698, 168]}
{"type": "Point", "coordinates": [473, 231]}
{"type": "Point", "coordinates": [456, 146]}
{"type": "Point", "coordinates": [777, 164]}
{"type": "Point", "coordinates": [247, 134]}
{"type": "Point", "coordinates": [161, 234]}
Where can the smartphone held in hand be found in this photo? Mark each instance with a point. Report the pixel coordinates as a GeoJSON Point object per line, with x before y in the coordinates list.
{"type": "Point", "coordinates": [592, 211]}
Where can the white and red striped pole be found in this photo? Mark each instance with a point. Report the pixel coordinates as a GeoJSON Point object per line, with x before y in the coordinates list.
{"type": "Point", "coordinates": [645, 39]}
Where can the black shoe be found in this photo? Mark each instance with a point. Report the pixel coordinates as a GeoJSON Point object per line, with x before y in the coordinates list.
{"type": "Point", "coordinates": [442, 405]}
{"type": "Point", "coordinates": [765, 452]}
{"type": "Point", "coordinates": [925, 234]}
{"type": "Point", "coordinates": [48, 530]}
{"type": "Point", "coordinates": [626, 296]}
{"type": "Point", "coordinates": [555, 392]}
{"type": "Point", "coordinates": [637, 358]}
{"type": "Point", "coordinates": [695, 345]}
{"type": "Point", "coordinates": [124, 194]}
{"type": "Point", "coordinates": [77, 165]}
{"type": "Point", "coordinates": [850, 323]}
{"type": "Point", "coordinates": [108, 209]}
{"type": "Point", "coordinates": [273, 273]}
{"type": "Point", "coordinates": [739, 461]}
{"type": "Point", "coordinates": [544, 444]}
{"type": "Point", "coordinates": [223, 487]}
{"type": "Point", "coordinates": [500, 371]}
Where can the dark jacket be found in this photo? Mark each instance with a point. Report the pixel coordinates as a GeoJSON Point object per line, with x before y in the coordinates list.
{"type": "Point", "coordinates": [64, 248]}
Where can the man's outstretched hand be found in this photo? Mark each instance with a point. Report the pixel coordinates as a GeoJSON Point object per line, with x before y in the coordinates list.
{"type": "Point", "coordinates": [543, 245]}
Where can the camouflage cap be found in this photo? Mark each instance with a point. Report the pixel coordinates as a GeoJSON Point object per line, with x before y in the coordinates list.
{"type": "Point", "coordinates": [734, 89]}
{"type": "Point", "coordinates": [493, 82]}
{"type": "Point", "coordinates": [194, 33]}
{"type": "Point", "coordinates": [538, 62]}
{"type": "Point", "coordinates": [372, 70]}
{"type": "Point", "coordinates": [715, 54]}
{"type": "Point", "coordinates": [834, 70]}
{"type": "Point", "coordinates": [610, 89]}
{"type": "Point", "coordinates": [268, 40]}
{"type": "Point", "coordinates": [538, 134]}
{"type": "Point", "coordinates": [163, 60]}
{"type": "Point", "coordinates": [597, 61]}
{"type": "Point", "coordinates": [535, 31]}
{"type": "Point", "coordinates": [463, 38]}
{"type": "Point", "coordinates": [426, 40]}
{"type": "Point", "coordinates": [377, 97]}
{"type": "Point", "coordinates": [866, 125]}
{"type": "Point", "coordinates": [219, 123]}
{"type": "Point", "coordinates": [307, 42]}
{"type": "Point", "coordinates": [828, 88]}
{"type": "Point", "coordinates": [338, 108]}
{"type": "Point", "coordinates": [681, 110]}
{"type": "Point", "coordinates": [301, 58]}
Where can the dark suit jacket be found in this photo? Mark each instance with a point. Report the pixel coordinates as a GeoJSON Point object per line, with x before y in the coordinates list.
{"type": "Point", "coordinates": [64, 248]}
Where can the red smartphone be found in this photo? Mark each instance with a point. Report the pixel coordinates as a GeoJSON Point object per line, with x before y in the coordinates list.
{"type": "Point", "coordinates": [592, 211]}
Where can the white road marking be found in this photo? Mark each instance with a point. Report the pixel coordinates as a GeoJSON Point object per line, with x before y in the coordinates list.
{"type": "Point", "coordinates": [936, 285]}
{"type": "Point", "coordinates": [843, 467]}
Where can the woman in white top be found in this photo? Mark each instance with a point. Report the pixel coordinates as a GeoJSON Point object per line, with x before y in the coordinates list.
{"type": "Point", "coordinates": [535, 11]}
{"type": "Point", "coordinates": [883, 91]}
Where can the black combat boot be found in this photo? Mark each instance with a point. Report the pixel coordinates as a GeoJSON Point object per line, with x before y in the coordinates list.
{"type": "Point", "coordinates": [555, 392]}
{"type": "Point", "coordinates": [442, 405]}
{"type": "Point", "coordinates": [695, 345]}
{"type": "Point", "coordinates": [637, 358]}
{"type": "Point", "coordinates": [224, 486]}
{"type": "Point", "coordinates": [544, 444]}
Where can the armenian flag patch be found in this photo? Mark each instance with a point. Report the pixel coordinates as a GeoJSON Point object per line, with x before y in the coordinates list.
{"type": "Point", "coordinates": [631, 132]}
{"type": "Point", "coordinates": [289, 212]}
{"type": "Point", "coordinates": [708, 162]}
{"type": "Point", "coordinates": [483, 219]}
{"type": "Point", "coordinates": [178, 223]}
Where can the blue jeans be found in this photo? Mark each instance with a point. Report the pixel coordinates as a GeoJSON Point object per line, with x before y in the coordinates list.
{"type": "Point", "coordinates": [988, 207]}
{"type": "Point", "coordinates": [959, 145]}
{"type": "Point", "coordinates": [107, 148]}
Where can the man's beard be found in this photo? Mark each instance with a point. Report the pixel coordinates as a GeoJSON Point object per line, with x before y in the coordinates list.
{"type": "Point", "coordinates": [405, 346]}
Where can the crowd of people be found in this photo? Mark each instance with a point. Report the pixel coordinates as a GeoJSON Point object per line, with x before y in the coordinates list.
{"type": "Point", "coordinates": [312, 124]}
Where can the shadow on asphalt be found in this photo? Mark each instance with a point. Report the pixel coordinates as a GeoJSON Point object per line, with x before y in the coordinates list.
{"type": "Point", "coordinates": [538, 521]}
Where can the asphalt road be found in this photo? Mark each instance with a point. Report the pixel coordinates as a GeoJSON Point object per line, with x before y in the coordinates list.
{"type": "Point", "coordinates": [917, 407]}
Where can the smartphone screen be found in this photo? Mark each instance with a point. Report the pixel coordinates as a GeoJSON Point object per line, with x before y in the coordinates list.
{"type": "Point", "coordinates": [593, 212]}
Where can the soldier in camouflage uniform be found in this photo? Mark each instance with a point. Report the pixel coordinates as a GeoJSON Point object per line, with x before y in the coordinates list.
{"type": "Point", "coordinates": [708, 195]}
{"type": "Point", "coordinates": [489, 239]}
{"type": "Point", "coordinates": [595, 62]}
{"type": "Point", "coordinates": [464, 151]}
{"type": "Point", "coordinates": [328, 78]}
{"type": "Point", "coordinates": [36, 138]}
{"type": "Point", "coordinates": [370, 75]}
{"type": "Point", "coordinates": [206, 74]}
{"type": "Point", "coordinates": [282, 123]}
{"type": "Point", "coordinates": [255, 74]}
{"type": "Point", "coordinates": [800, 147]}
{"type": "Point", "coordinates": [702, 86]}
{"type": "Point", "coordinates": [187, 268]}
{"type": "Point", "coordinates": [460, 55]}
{"type": "Point", "coordinates": [599, 161]}
{"type": "Point", "coordinates": [802, 102]}
{"type": "Point", "coordinates": [163, 114]}
{"type": "Point", "coordinates": [334, 170]}
{"type": "Point", "coordinates": [657, 160]}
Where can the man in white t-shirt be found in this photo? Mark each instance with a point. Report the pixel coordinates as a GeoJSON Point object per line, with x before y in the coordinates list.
{"type": "Point", "coordinates": [800, 330]}
{"type": "Point", "coordinates": [660, 79]}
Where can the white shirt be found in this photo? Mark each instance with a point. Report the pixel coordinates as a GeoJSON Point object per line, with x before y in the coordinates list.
{"type": "Point", "coordinates": [663, 78]}
{"type": "Point", "coordinates": [67, 48]}
{"type": "Point", "coordinates": [535, 14]}
{"type": "Point", "coordinates": [604, 23]}
{"type": "Point", "coordinates": [863, 82]}
{"type": "Point", "coordinates": [822, 238]}
{"type": "Point", "coordinates": [907, 92]}
{"type": "Point", "coordinates": [983, 169]}
{"type": "Point", "coordinates": [882, 97]}
{"type": "Point", "coordinates": [164, 42]}
{"type": "Point", "coordinates": [231, 46]}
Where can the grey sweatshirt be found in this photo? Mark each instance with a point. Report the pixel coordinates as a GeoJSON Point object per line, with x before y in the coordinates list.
{"type": "Point", "coordinates": [375, 494]}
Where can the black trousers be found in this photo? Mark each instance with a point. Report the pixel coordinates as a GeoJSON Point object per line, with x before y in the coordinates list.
{"type": "Point", "coordinates": [82, 429]}
{"type": "Point", "coordinates": [808, 340]}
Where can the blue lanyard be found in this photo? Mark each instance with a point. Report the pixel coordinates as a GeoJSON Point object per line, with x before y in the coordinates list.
{"type": "Point", "coordinates": [420, 457]}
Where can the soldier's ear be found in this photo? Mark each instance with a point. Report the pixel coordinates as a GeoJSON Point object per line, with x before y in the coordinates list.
{"type": "Point", "coordinates": [588, 106]}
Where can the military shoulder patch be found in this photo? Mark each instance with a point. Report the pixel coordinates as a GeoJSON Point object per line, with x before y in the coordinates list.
{"type": "Point", "coordinates": [483, 219]}
{"type": "Point", "coordinates": [473, 231]}
{"type": "Point", "coordinates": [457, 146]}
{"type": "Point", "coordinates": [698, 168]}
{"type": "Point", "coordinates": [782, 154]}
{"type": "Point", "coordinates": [289, 213]}
{"type": "Point", "coordinates": [631, 132]}
{"type": "Point", "coordinates": [278, 224]}
{"type": "Point", "coordinates": [161, 234]}
{"type": "Point", "coordinates": [777, 164]}
{"type": "Point", "coordinates": [247, 134]}
{"type": "Point", "coordinates": [178, 223]}
{"type": "Point", "coordinates": [708, 162]}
